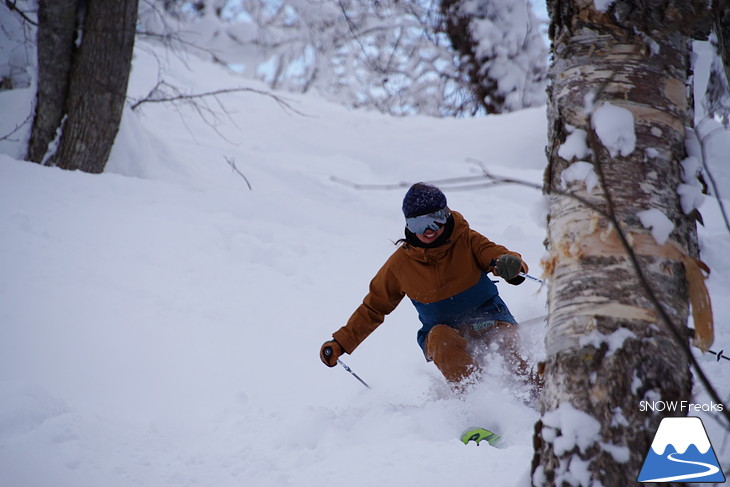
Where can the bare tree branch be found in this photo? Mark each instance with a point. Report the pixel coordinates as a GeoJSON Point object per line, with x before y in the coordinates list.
{"type": "Point", "coordinates": [17, 127]}
{"type": "Point", "coordinates": [12, 5]}
{"type": "Point", "coordinates": [495, 180]}
{"type": "Point", "coordinates": [188, 97]}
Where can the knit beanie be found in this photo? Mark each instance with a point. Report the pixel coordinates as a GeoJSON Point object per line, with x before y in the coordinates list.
{"type": "Point", "coordinates": [422, 199]}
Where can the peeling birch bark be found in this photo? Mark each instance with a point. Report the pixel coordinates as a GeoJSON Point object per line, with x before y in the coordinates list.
{"type": "Point", "coordinates": [634, 56]}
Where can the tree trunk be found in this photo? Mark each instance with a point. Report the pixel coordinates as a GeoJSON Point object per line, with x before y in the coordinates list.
{"type": "Point", "coordinates": [56, 32]}
{"type": "Point", "coordinates": [497, 43]}
{"type": "Point", "coordinates": [607, 348]}
{"type": "Point", "coordinates": [721, 13]}
{"type": "Point", "coordinates": [95, 86]}
{"type": "Point", "coordinates": [458, 27]}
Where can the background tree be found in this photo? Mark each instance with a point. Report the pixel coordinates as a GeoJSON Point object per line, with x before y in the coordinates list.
{"type": "Point", "coordinates": [84, 60]}
{"type": "Point", "coordinates": [717, 97]}
{"type": "Point", "coordinates": [392, 55]}
{"type": "Point", "coordinates": [617, 111]}
{"type": "Point", "coordinates": [721, 14]}
{"type": "Point", "coordinates": [501, 53]}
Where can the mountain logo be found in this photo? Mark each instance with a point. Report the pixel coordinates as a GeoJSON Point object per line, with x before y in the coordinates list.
{"type": "Point", "coordinates": [681, 452]}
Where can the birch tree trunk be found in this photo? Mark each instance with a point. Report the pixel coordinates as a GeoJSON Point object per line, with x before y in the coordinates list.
{"type": "Point", "coordinates": [618, 107]}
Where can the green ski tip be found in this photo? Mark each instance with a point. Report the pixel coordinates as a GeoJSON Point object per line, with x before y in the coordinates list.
{"type": "Point", "coordinates": [480, 434]}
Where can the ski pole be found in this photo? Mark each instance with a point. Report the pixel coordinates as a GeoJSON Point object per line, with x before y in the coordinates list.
{"type": "Point", "coordinates": [493, 264]}
{"type": "Point", "coordinates": [531, 277]}
{"type": "Point", "coordinates": [353, 373]}
{"type": "Point", "coordinates": [328, 354]}
{"type": "Point", "coordinates": [719, 355]}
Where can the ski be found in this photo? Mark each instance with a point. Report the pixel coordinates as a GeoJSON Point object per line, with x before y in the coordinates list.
{"type": "Point", "coordinates": [478, 435]}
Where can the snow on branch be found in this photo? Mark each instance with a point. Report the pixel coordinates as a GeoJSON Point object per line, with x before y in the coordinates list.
{"type": "Point", "coordinates": [389, 55]}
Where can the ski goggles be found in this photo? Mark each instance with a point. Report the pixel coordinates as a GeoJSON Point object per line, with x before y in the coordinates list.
{"type": "Point", "coordinates": [431, 221]}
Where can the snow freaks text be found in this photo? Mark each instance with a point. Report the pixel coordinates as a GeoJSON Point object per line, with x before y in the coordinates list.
{"type": "Point", "coordinates": [679, 406]}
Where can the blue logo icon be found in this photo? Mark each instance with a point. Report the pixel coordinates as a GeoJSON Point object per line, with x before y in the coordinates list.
{"type": "Point", "coordinates": [681, 452]}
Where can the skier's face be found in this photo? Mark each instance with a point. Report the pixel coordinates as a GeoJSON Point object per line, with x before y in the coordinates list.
{"type": "Point", "coordinates": [429, 236]}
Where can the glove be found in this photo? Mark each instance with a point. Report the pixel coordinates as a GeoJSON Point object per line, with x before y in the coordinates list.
{"type": "Point", "coordinates": [508, 266]}
{"type": "Point", "coordinates": [330, 352]}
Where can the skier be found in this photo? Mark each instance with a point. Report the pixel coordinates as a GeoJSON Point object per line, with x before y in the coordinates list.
{"type": "Point", "coordinates": [442, 267]}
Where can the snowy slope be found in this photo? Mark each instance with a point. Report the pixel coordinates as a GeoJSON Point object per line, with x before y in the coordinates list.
{"type": "Point", "coordinates": [160, 323]}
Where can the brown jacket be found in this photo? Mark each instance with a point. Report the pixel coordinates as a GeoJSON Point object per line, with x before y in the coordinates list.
{"type": "Point", "coordinates": [426, 275]}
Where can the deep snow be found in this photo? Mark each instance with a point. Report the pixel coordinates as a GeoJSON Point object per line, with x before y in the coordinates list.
{"type": "Point", "coordinates": [160, 323]}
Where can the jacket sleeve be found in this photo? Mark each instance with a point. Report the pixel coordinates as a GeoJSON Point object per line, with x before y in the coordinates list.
{"type": "Point", "coordinates": [384, 295]}
{"type": "Point", "coordinates": [487, 251]}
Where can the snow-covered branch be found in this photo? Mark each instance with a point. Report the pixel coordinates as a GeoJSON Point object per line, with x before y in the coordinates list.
{"type": "Point", "coordinates": [389, 55]}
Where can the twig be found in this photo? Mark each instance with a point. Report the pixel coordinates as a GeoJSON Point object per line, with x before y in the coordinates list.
{"type": "Point", "coordinates": [17, 127]}
{"type": "Point", "coordinates": [13, 7]}
{"type": "Point", "coordinates": [459, 184]}
{"type": "Point", "coordinates": [232, 162]}
{"type": "Point", "coordinates": [350, 26]}
{"type": "Point", "coordinates": [705, 165]}
{"type": "Point", "coordinates": [184, 97]}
